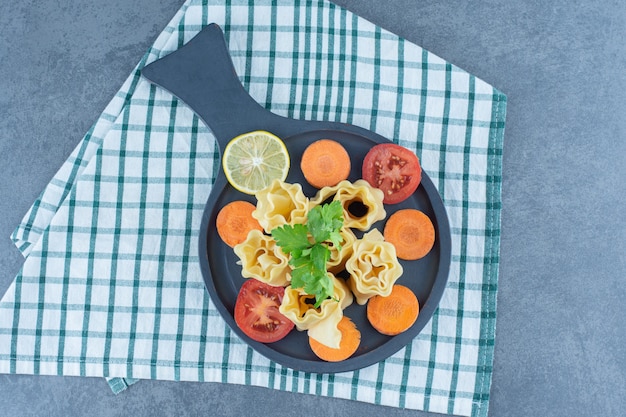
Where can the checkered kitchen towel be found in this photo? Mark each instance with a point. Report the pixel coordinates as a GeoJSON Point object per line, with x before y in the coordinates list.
{"type": "Point", "coordinates": [111, 284]}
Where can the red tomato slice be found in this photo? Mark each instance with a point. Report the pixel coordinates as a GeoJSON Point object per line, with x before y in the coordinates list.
{"type": "Point", "coordinates": [256, 312]}
{"type": "Point", "coordinates": [394, 169]}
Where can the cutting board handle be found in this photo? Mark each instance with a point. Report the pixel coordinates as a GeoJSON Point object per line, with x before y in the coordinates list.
{"type": "Point", "coordinates": [201, 74]}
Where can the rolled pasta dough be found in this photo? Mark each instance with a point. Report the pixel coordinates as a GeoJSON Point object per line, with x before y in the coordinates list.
{"type": "Point", "coordinates": [262, 258]}
{"type": "Point", "coordinates": [359, 192]}
{"type": "Point", "coordinates": [373, 267]}
{"type": "Point", "coordinates": [321, 323]}
{"type": "Point", "coordinates": [279, 204]}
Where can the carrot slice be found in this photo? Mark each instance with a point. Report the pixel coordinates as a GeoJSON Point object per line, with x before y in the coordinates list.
{"type": "Point", "coordinates": [395, 313]}
{"type": "Point", "coordinates": [235, 221]}
{"type": "Point", "coordinates": [411, 232]}
{"type": "Point", "coordinates": [350, 341]}
{"type": "Point", "coordinates": [325, 163]}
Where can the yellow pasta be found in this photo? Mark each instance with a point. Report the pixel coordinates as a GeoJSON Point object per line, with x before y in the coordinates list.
{"type": "Point", "coordinates": [279, 204]}
{"type": "Point", "coordinates": [373, 267]}
{"type": "Point", "coordinates": [338, 258]}
{"type": "Point", "coordinates": [262, 258]}
{"type": "Point", "coordinates": [362, 204]}
{"type": "Point", "coordinates": [321, 323]}
{"type": "Point", "coordinates": [371, 262]}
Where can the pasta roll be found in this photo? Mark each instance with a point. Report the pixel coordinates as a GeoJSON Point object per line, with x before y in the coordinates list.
{"type": "Point", "coordinates": [279, 204]}
{"type": "Point", "coordinates": [261, 258]}
{"type": "Point", "coordinates": [338, 258]}
{"type": "Point", "coordinates": [320, 322]}
{"type": "Point", "coordinates": [373, 267]}
{"type": "Point", "coordinates": [362, 204]}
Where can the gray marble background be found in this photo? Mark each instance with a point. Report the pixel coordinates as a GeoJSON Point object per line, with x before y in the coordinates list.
{"type": "Point", "coordinates": [561, 333]}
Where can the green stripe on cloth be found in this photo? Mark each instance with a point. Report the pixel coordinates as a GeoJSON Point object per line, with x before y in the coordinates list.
{"type": "Point", "coordinates": [492, 256]}
{"type": "Point", "coordinates": [111, 284]}
{"type": "Point", "coordinates": [464, 239]}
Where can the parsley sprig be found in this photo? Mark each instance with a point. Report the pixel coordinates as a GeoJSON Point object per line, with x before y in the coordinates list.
{"type": "Point", "coordinates": [308, 245]}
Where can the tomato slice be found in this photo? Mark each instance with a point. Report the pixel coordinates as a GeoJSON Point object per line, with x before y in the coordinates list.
{"type": "Point", "coordinates": [394, 169]}
{"type": "Point", "coordinates": [256, 312]}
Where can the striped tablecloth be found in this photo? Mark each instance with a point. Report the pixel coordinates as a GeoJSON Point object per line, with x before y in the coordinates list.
{"type": "Point", "coordinates": [111, 283]}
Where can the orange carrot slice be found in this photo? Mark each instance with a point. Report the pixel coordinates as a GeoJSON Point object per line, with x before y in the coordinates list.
{"type": "Point", "coordinates": [325, 163]}
{"type": "Point", "coordinates": [235, 221]}
{"type": "Point", "coordinates": [395, 313]}
{"type": "Point", "coordinates": [411, 232]}
{"type": "Point", "coordinates": [350, 341]}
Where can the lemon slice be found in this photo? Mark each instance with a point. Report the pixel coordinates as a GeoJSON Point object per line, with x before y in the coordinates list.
{"type": "Point", "coordinates": [253, 160]}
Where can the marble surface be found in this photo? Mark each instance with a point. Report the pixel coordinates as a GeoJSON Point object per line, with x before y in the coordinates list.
{"type": "Point", "coordinates": [561, 338]}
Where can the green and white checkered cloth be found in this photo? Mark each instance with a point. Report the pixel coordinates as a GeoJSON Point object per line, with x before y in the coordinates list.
{"type": "Point", "coordinates": [111, 284]}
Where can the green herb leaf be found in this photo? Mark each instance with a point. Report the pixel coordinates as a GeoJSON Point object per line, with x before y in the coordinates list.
{"type": "Point", "coordinates": [325, 220]}
{"type": "Point", "coordinates": [308, 247]}
{"type": "Point", "coordinates": [319, 256]}
{"type": "Point", "coordinates": [301, 275]}
{"type": "Point", "coordinates": [292, 239]}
